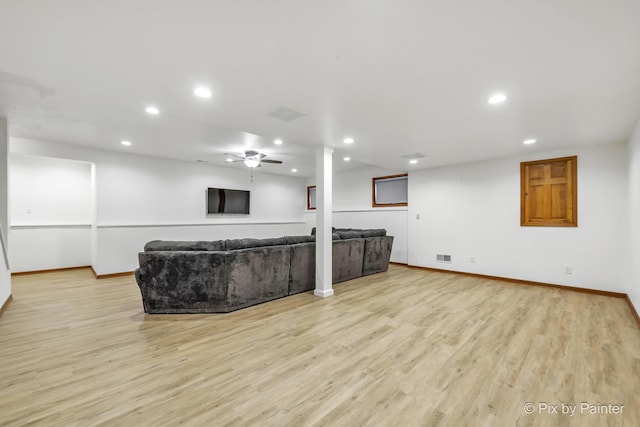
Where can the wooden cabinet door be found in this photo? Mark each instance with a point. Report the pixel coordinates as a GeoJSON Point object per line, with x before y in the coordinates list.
{"type": "Point", "coordinates": [549, 192]}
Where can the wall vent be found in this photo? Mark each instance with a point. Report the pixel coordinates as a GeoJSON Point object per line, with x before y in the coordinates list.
{"type": "Point", "coordinates": [443, 258]}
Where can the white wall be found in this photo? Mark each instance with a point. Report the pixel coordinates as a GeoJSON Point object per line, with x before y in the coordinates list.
{"type": "Point", "coordinates": [50, 213]}
{"type": "Point", "coordinates": [352, 208]}
{"type": "Point", "coordinates": [5, 274]}
{"type": "Point", "coordinates": [633, 288]}
{"type": "Point", "coordinates": [473, 210]}
{"type": "Point", "coordinates": [142, 198]}
{"type": "Point", "coordinates": [131, 239]}
{"type": "Point", "coordinates": [145, 190]}
{"type": "Point", "coordinates": [46, 190]}
{"type": "Point", "coordinates": [466, 210]}
{"type": "Point", "coordinates": [47, 247]}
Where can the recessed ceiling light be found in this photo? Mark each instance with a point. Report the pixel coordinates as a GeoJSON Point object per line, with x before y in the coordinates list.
{"type": "Point", "coordinates": [413, 161]}
{"type": "Point", "coordinates": [346, 159]}
{"type": "Point", "coordinates": [348, 140]}
{"type": "Point", "coordinates": [202, 92]}
{"type": "Point", "coordinates": [152, 110]}
{"type": "Point", "coordinates": [497, 98]}
{"type": "Point", "coordinates": [529, 141]}
{"type": "Point", "coordinates": [229, 160]}
{"type": "Point", "coordinates": [277, 142]}
{"type": "Point", "coordinates": [294, 170]}
{"type": "Point", "coordinates": [125, 142]}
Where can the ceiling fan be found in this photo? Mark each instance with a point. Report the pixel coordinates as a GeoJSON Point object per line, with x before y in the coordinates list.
{"type": "Point", "coordinates": [252, 159]}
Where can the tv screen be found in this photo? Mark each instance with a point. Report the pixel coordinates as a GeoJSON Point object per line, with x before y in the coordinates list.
{"type": "Point", "coordinates": [225, 201]}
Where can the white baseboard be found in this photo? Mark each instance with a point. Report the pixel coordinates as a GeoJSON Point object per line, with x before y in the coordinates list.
{"type": "Point", "coordinates": [323, 293]}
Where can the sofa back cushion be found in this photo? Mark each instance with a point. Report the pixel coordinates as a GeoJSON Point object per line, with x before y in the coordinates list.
{"type": "Point", "coordinates": [292, 240]}
{"type": "Point", "coordinates": [366, 232]}
{"type": "Point", "coordinates": [313, 230]}
{"type": "Point", "coordinates": [183, 245]}
{"type": "Point", "coordinates": [234, 244]}
{"type": "Point", "coordinates": [349, 234]}
{"type": "Point", "coordinates": [374, 232]}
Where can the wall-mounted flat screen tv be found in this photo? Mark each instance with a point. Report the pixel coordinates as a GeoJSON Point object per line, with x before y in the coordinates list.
{"type": "Point", "coordinates": [225, 201]}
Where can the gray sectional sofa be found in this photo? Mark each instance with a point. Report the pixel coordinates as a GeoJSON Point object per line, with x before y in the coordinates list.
{"type": "Point", "coordinates": [227, 275]}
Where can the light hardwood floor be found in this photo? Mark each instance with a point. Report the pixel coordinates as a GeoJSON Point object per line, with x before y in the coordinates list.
{"type": "Point", "coordinates": [401, 348]}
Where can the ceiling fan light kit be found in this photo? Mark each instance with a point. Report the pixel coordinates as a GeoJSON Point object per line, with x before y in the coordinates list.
{"type": "Point", "coordinates": [252, 159]}
{"type": "Point", "coordinates": [251, 163]}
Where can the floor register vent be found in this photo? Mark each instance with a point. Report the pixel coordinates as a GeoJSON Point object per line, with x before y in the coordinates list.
{"type": "Point", "coordinates": [443, 258]}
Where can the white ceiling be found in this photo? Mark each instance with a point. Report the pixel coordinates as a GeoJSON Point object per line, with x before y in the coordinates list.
{"type": "Point", "coordinates": [398, 76]}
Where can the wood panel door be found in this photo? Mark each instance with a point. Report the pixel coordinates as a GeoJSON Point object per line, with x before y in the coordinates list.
{"type": "Point", "coordinates": [549, 192]}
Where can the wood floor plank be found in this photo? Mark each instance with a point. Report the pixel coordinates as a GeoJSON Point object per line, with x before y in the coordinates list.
{"type": "Point", "coordinates": [406, 347]}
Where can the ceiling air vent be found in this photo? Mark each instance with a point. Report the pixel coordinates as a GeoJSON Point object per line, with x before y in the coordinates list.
{"type": "Point", "coordinates": [286, 114]}
{"type": "Point", "coordinates": [443, 258]}
{"type": "Point", "coordinates": [413, 156]}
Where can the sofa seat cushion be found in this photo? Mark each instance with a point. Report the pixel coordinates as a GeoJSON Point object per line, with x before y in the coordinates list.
{"type": "Point", "coordinates": [234, 244]}
{"type": "Point", "coordinates": [184, 245]}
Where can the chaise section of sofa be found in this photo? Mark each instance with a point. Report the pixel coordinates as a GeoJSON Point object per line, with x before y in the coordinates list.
{"type": "Point", "coordinates": [377, 248]}
{"type": "Point", "coordinates": [377, 251]}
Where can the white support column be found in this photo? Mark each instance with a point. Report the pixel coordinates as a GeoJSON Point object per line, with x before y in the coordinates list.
{"type": "Point", "coordinates": [324, 212]}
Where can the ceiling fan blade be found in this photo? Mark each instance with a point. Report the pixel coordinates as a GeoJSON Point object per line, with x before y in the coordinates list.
{"type": "Point", "coordinates": [234, 155]}
{"type": "Point", "coordinates": [272, 161]}
{"type": "Point", "coordinates": [261, 156]}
